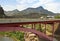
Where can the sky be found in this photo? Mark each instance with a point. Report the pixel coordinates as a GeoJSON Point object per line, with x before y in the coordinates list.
{"type": "Point", "coordinates": [51, 5]}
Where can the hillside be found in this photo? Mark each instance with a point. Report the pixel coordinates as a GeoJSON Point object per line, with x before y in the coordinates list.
{"type": "Point", "coordinates": [30, 13]}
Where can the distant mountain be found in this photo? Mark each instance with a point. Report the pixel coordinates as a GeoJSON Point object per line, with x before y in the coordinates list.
{"type": "Point", "coordinates": [11, 13]}
{"type": "Point", "coordinates": [30, 12]}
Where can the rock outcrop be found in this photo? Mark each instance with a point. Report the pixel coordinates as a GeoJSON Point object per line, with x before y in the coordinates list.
{"type": "Point", "coordinates": [2, 15]}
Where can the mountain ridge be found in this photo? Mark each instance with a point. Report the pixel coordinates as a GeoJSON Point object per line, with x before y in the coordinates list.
{"type": "Point", "coordinates": [29, 12]}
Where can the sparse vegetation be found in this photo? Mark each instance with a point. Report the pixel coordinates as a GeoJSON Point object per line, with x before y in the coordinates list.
{"type": "Point", "coordinates": [57, 16]}
{"type": "Point", "coordinates": [18, 36]}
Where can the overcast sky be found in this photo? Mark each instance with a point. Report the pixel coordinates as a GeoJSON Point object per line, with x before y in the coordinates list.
{"type": "Point", "coordinates": [51, 5]}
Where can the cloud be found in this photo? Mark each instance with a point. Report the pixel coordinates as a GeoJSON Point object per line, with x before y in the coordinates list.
{"type": "Point", "coordinates": [8, 7]}
{"type": "Point", "coordinates": [33, 3]}
{"type": "Point", "coordinates": [42, 3]}
{"type": "Point", "coordinates": [23, 4]}
{"type": "Point", "coordinates": [45, 1]}
{"type": "Point", "coordinates": [54, 7]}
{"type": "Point", "coordinates": [26, 1]}
{"type": "Point", "coordinates": [21, 7]}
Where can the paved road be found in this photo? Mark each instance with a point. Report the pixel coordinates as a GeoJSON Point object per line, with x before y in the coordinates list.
{"type": "Point", "coordinates": [10, 39]}
{"type": "Point", "coordinates": [6, 39]}
{"type": "Point", "coordinates": [55, 39]}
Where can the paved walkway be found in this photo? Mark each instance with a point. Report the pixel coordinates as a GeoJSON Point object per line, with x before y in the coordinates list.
{"type": "Point", "coordinates": [10, 39]}
{"type": "Point", "coordinates": [55, 39]}
{"type": "Point", "coordinates": [6, 39]}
